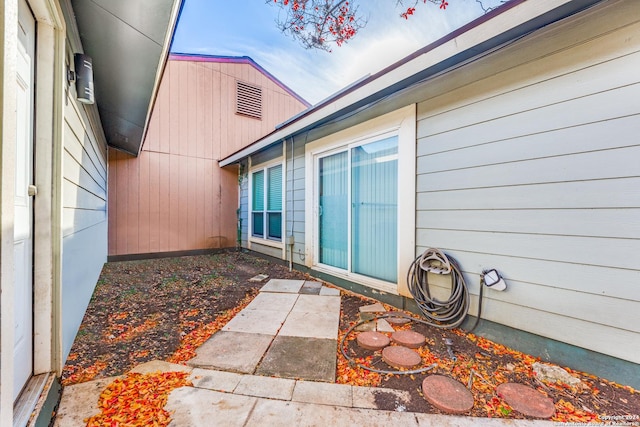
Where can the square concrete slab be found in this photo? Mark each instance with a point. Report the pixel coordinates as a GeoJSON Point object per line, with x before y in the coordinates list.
{"type": "Point", "coordinates": [323, 393]}
{"type": "Point", "coordinates": [312, 325]}
{"type": "Point", "coordinates": [215, 380]}
{"type": "Point", "coordinates": [271, 388]}
{"type": "Point", "coordinates": [331, 292]}
{"type": "Point", "coordinates": [273, 302]}
{"type": "Point", "coordinates": [232, 351]}
{"type": "Point", "coordinates": [80, 401]}
{"type": "Point", "coordinates": [302, 358]}
{"type": "Point", "coordinates": [264, 322]}
{"type": "Point", "coordinates": [309, 291]}
{"type": "Point", "coordinates": [311, 288]}
{"type": "Point", "coordinates": [196, 407]}
{"type": "Point", "coordinates": [317, 304]}
{"type": "Point", "coordinates": [283, 285]}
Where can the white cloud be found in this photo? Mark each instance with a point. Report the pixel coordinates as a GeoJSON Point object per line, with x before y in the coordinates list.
{"type": "Point", "coordinates": [315, 75]}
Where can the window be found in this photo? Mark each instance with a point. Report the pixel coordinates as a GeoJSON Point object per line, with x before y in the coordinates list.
{"type": "Point", "coordinates": [358, 209]}
{"type": "Point", "coordinates": [266, 203]}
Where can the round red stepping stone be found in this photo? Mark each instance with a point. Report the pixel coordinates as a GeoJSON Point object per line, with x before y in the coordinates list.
{"type": "Point", "coordinates": [397, 320]}
{"type": "Point", "coordinates": [409, 339]}
{"type": "Point", "coordinates": [526, 400]}
{"type": "Point", "coordinates": [401, 357]}
{"type": "Point", "coordinates": [372, 340]}
{"type": "Point", "coordinates": [447, 394]}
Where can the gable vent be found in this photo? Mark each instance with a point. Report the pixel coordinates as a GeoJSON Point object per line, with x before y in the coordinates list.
{"type": "Point", "coordinates": [249, 100]}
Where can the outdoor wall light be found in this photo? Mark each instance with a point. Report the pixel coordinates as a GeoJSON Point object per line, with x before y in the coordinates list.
{"type": "Point", "coordinates": [83, 76]}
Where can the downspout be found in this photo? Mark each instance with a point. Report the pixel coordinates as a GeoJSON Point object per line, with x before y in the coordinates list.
{"type": "Point", "coordinates": [238, 211]}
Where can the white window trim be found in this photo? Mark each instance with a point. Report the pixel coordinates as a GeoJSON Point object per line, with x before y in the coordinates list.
{"type": "Point", "coordinates": [265, 241]}
{"type": "Point", "coordinates": [402, 123]}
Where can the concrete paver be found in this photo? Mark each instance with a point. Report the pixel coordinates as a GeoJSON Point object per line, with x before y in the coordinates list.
{"type": "Point", "coordinates": [277, 412]}
{"type": "Point", "coordinates": [327, 291]}
{"type": "Point", "coordinates": [269, 387]}
{"type": "Point", "coordinates": [264, 322]}
{"type": "Point", "coordinates": [438, 420]}
{"type": "Point", "coordinates": [232, 351]}
{"type": "Point", "coordinates": [372, 308]}
{"type": "Point", "coordinates": [318, 325]}
{"type": "Point", "coordinates": [365, 397]}
{"type": "Point", "coordinates": [215, 380]}
{"type": "Point", "coordinates": [383, 326]}
{"type": "Point", "coordinates": [194, 407]}
{"type": "Point", "coordinates": [317, 304]}
{"type": "Point", "coordinates": [322, 393]}
{"type": "Point", "coordinates": [299, 357]}
{"type": "Point", "coordinates": [273, 301]}
{"type": "Point", "coordinates": [283, 285]}
{"type": "Point", "coordinates": [311, 288]}
{"type": "Point", "coordinates": [80, 401]}
{"type": "Point", "coordinates": [154, 366]}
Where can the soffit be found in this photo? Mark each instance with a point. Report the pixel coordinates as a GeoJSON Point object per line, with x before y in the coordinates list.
{"type": "Point", "coordinates": [128, 42]}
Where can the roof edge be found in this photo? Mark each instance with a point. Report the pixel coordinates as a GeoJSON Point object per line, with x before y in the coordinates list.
{"type": "Point", "coordinates": [315, 114]}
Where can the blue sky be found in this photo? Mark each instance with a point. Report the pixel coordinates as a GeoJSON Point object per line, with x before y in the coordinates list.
{"type": "Point", "coordinates": [247, 28]}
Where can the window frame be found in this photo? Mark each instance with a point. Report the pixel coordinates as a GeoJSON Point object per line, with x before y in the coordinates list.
{"type": "Point", "coordinates": [401, 123]}
{"type": "Point", "coordinates": [265, 239]}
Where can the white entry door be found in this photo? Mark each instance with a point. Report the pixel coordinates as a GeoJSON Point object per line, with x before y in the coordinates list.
{"type": "Point", "coordinates": [23, 222]}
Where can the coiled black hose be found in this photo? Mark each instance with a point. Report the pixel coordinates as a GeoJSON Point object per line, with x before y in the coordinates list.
{"type": "Point", "coordinates": [441, 314]}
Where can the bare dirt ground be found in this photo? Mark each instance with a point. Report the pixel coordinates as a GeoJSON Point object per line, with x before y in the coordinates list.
{"type": "Point", "coordinates": [154, 309]}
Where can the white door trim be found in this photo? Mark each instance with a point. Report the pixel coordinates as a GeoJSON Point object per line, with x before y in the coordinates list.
{"type": "Point", "coordinates": [23, 203]}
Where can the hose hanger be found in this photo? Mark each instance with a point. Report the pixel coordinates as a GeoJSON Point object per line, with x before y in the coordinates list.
{"type": "Point", "coordinates": [434, 261]}
{"type": "Point", "coordinates": [446, 314]}
{"type": "Point", "coordinates": [449, 313]}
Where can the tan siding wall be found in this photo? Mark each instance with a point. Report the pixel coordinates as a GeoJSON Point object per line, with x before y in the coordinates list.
{"type": "Point", "coordinates": [173, 196]}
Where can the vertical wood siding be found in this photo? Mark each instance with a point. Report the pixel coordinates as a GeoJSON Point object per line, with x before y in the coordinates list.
{"type": "Point", "coordinates": [534, 170]}
{"type": "Point", "coordinates": [84, 217]}
{"type": "Point", "coordinates": [173, 196]}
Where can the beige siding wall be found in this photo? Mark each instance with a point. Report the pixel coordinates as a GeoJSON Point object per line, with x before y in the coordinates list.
{"type": "Point", "coordinates": [529, 164]}
{"type": "Point", "coordinates": [173, 196]}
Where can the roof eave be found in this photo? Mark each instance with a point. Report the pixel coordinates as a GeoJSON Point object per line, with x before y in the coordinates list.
{"type": "Point", "coordinates": [129, 43]}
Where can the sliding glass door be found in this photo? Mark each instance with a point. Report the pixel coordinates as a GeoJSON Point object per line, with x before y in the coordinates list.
{"type": "Point", "coordinates": [333, 210]}
{"type": "Point", "coordinates": [358, 209]}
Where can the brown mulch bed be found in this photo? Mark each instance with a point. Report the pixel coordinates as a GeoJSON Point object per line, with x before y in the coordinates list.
{"type": "Point", "coordinates": [141, 310]}
{"type": "Point", "coordinates": [154, 309]}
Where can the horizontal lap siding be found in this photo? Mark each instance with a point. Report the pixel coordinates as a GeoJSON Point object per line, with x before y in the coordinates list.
{"type": "Point", "coordinates": [84, 218]}
{"type": "Point", "coordinates": [535, 171]}
{"type": "Point", "coordinates": [296, 198]}
{"type": "Point", "coordinates": [173, 196]}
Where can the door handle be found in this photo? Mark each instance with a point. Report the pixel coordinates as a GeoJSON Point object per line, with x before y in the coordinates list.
{"type": "Point", "coordinates": [32, 190]}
